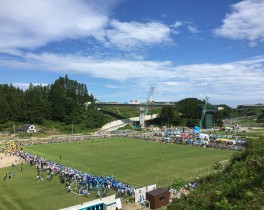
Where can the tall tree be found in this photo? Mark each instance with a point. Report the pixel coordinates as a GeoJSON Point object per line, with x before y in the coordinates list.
{"type": "Point", "coordinates": [167, 115]}
{"type": "Point", "coordinates": [57, 99]}
{"type": "Point", "coordinates": [38, 107]}
{"type": "Point", "coordinates": [189, 107]}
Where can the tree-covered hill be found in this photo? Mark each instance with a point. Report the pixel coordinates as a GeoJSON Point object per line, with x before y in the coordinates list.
{"type": "Point", "coordinates": [187, 112]}
{"type": "Point", "coordinates": [63, 101]}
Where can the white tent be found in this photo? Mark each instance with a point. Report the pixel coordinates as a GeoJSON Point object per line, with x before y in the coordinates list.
{"type": "Point", "coordinates": [203, 136]}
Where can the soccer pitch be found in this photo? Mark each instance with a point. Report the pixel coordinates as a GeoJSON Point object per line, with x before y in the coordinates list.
{"type": "Point", "coordinates": [132, 161]}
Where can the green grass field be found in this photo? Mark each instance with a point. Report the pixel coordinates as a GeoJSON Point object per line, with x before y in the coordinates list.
{"type": "Point", "coordinates": [135, 162]}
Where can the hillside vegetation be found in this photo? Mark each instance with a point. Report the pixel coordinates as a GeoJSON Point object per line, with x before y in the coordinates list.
{"type": "Point", "coordinates": [52, 107]}
{"type": "Point", "coordinates": [55, 108]}
{"type": "Point", "coordinates": [240, 185]}
{"type": "Point", "coordinates": [124, 112]}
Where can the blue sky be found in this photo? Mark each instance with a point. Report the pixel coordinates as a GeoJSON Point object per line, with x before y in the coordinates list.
{"type": "Point", "coordinates": [119, 48]}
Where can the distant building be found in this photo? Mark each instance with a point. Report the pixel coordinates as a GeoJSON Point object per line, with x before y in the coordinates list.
{"type": "Point", "coordinates": [251, 106]}
{"type": "Point", "coordinates": [27, 128]}
{"type": "Point", "coordinates": [87, 104]}
{"type": "Point", "coordinates": [134, 102]}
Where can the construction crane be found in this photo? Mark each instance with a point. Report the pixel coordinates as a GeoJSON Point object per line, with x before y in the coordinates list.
{"type": "Point", "coordinates": [144, 110]}
{"type": "Point", "coordinates": [152, 89]}
{"type": "Point", "coordinates": [204, 106]}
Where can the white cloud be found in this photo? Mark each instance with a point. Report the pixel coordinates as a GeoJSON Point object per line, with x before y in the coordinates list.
{"type": "Point", "coordinates": [174, 27]}
{"type": "Point", "coordinates": [31, 24]}
{"type": "Point", "coordinates": [244, 22]}
{"type": "Point", "coordinates": [193, 29]}
{"type": "Point", "coordinates": [170, 84]}
{"type": "Point", "coordinates": [177, 24]}
{"type": "Point", "coordinates": [184, 24]}
{"type": "Point", "coordinates": [127, 35]}
{"type": "Point", "coordinates": [25, 86]}
{"type": "Point", "coordinates": [114, 86]}
{"type": "Point", "coordinates": [229, 81]}
{"type": "Point", "coordinates": [202, 84]}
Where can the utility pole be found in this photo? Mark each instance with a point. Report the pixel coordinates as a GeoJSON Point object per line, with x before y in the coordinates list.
{"type": "Point", "coordinates": [14, 128]}
{"type": "Point", "coordinates": [72, 127]}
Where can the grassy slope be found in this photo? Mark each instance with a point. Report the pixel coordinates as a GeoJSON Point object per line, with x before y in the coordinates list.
{"type": "Point", "coordinates": [124, 112]}
{"type": "Point", "coordinates": [238, 186]}
{"type": "Point", "coordinates": [135, 162]}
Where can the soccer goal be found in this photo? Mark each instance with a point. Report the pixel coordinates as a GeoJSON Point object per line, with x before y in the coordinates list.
{"type": "Point", "coordinates": [79, 189]}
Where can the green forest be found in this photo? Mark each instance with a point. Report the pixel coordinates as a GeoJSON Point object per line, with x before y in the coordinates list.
{"type": "Point", "coordinates": [64, 103]}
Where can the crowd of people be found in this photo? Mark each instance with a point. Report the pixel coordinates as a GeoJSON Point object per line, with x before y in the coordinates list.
{"type": "Point", "coordinates": [69, 175]}
{"type": "Point", "coordinates": [211, 142]}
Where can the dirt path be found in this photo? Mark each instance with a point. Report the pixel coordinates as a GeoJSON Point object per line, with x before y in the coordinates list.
{"type": "Point", "coordinates": [130, 206]}
{"type": "Point", "coordinates": [7, 160]}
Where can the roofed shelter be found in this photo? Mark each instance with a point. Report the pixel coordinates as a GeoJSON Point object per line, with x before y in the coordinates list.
{"type": "Point", "coordinates": [27, 128]}
{"type": "Point", "coordinates": [158, 198]}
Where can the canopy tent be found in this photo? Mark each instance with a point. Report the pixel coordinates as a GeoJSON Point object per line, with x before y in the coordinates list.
{"type": "Point", "coordinates": [203, 136]}
{"type": "Point", "coordinates": [196, 129]}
